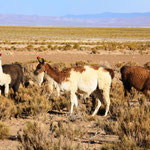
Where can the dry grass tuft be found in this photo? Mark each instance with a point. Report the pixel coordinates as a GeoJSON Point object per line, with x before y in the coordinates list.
{"type": "Point", "coordinates": [4, 131]}
{"type": "Point", "coordinates": [7, 108]}
{"type": "Point", "coordinates": [31, 101]}
{"type": "Point", "coordinates": [35, 136]}
{"type": "Point", "coordinates": [59, 136]}
{"type": "Point", "coordinates": [131, 123]}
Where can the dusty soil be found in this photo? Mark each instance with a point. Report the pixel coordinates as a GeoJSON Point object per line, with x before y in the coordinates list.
{"type": "Point", "coordinates": [74, 56]}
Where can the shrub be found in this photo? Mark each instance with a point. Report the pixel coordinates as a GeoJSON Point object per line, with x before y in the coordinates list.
{"type": "Point", "coordinates": [31, 101]}
{"type": "Point", "coordinates": [60, 136]}
{"type": "Point", "coordinates": [13, 48]}
{"type": "Point", "coordinates": [35, 136]}
{"type": "Point", "coordinates": [4, 131]}
{"type": "Point", "coordinates": [130, 123]}
{"type": "Point", "coordinates": [7, 108]}
{"type": "Point", "coordinates": [94, 51]}
{"type": "Point", "coordinates": [30, 47]}
{"type": "Point", "coordinates": [67, 47]}
{"type": "Point", "coordinates": [49, 46]}
{"type": "Point", "coordinates": [76, 46]}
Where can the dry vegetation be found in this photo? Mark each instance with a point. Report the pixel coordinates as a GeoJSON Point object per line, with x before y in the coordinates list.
{"type": "Point", "coordinates": [46, 121]}
{"type": "Point", "coordinates": [89, 39]}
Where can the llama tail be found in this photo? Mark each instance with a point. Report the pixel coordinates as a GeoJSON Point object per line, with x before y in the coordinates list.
{"type": "Point", "coordinates": [111, 72]}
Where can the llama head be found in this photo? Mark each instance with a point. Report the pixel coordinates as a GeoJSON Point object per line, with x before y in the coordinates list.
{"type": "Point", "coordinates": [40, 60]}
{"type": "Point", "coordinates": [40, 67]}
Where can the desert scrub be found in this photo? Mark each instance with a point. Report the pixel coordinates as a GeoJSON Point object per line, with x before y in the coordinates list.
{"type": "Point", "coordinates": [42, 48]}
{"type": "Point", "coordinates": [94, 51]}
{"type": "Point", "coordinates": [35, 136]}
{"type": "Point", "coordinates": [13, 48]}
{"type": "Point", "coordinates": [60, 103]}
{"type": "Point", "coordinates": [67, 47]}
{"type": "Point", "coordinates": [76, 46]}
{"type": "Point", "coordinates": [44, 33]}
{"type": "Point", "coordinates": [4, 131]}
{"type": "Point", "coordinates": [66, 133]}
{"type": "Point", "coordinates": [31, 101]}
{"type": "Point", "coordinates": [30, 47]}
{"type": "Point", "coordinates": [7, 108]}
{"type": "Point", "coordinates": [130, 123]}
{"type": "Point", "coordinates": [80, 63]}
{"type": "Point", "coordinates": [134, 126]}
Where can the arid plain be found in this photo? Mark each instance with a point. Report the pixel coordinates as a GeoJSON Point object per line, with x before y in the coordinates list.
{"type": "Point", "coordinates": [38, 119]}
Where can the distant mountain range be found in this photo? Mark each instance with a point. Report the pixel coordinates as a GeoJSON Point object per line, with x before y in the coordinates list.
{"type": "Point", "coordinates": [111, 15]}
{"type": "Point", "coordinates": [88, 20]}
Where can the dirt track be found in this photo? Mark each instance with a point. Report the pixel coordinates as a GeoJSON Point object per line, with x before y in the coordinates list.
{"type": "Point", "coordinates": [73, 56]}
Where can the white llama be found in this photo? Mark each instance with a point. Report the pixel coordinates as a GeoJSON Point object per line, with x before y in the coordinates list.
{"type": "Point", "coordinates": [86, 79]}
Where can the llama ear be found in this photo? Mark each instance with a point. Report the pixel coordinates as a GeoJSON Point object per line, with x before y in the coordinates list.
{"type": "Point", "coordinates": [41, 60]}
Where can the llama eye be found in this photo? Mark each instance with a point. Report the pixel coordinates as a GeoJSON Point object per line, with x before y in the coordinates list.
{"type": "Point", "coordinates": [39, 67]}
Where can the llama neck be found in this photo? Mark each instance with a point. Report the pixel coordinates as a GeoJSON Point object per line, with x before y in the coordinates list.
{"type": "Point", "coordinates": [1, 70]}
{"type": "Point", "coordinates": [53, 73]}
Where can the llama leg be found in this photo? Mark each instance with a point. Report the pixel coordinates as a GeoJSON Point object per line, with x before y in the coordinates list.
{"type": "Point", "coordinates": [15, 88]}
{"type": "Point", "coordinates": [58, 90]}
{"type": "Point", "coordinates": [146, 88]}
{"type": "Point", "coordinates": [6, 89]}
{"type": "Point", "coordinates": [50, 86]}
{"type": "Point", "coordinates": [107, 99]}
{"type": "Point", "coordinates": [127, 89]}
{"type": "Point", "coordinates": [97, 108]}
{"type": "Point", "coordinates": [73, 101]}
{"type": "Point", "coordinates": [41, 78]}
{"type": "Point", "coordinates": [98, 96]}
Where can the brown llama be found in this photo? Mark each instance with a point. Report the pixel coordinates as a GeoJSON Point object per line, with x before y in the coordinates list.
{"type": "Point", "coordinates": [137, 77]}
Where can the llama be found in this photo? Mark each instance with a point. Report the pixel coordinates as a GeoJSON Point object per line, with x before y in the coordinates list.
{"type": "Point", "coordinates": [5, 79]}
{"type": "Point", "coordinates": [137, 77]}
{"type": "Point", "coordinates": [16, 74]}
{"type": "Point", "coordinates": [86, 79]}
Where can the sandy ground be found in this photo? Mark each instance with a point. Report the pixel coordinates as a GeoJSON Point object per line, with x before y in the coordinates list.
{"type": "Point", "coordinates": [73, 56]}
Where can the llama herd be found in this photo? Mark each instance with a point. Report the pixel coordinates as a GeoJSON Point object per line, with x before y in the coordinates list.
{"type": "Point", "coordinates": [82, 79]}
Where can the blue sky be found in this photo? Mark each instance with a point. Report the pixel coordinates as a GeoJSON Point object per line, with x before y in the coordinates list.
{"type": "Point", "coordinates": [65, 7]}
